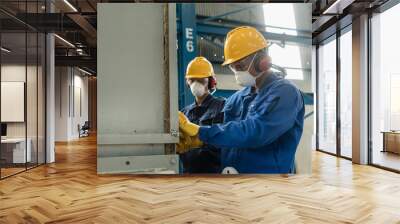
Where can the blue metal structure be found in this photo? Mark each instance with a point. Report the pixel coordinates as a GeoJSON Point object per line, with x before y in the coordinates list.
{"type": "Point", "coordinates": [187, 47]}
{"type": "Point", "coordinates": [220, 30]}
{"type": "Point", "coordinates": [189, 29]}
{"type": "Point", "coordinates": [211, 18]}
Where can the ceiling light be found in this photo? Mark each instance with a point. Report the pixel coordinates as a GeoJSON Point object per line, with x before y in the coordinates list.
{"type": "Point", "coordinates": [71, 6]}
{"type": "Point", "coordinates": [338, 6]}
{"type": "Point", "coordinates": [5, 50]}
{"type": "Point", "coordinates": [331, 7]}
{"type": "Point", "coordinates": [84, 71]}
{"type": "Point", "coordinates": [65, 41]}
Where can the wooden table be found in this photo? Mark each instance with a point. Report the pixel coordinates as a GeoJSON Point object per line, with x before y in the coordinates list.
{"type": "Point", "coordinates": [15, 152]}
{"type": "Point", "coordinates": [391, 141]}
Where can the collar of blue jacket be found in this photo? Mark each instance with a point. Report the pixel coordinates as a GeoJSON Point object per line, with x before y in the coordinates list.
{"type": "Point", "coordinates": [209, 112]}
{"type": "Point", "coordinates": [261, 131]}
{"type": "Point", "coordinates": [206, 102]}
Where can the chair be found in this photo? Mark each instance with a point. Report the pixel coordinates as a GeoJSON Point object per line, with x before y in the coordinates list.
{"type": "Point", "coordinates": [84, 130]}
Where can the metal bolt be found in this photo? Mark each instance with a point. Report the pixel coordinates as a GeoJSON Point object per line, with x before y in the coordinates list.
{"type": "Point", "coordinates": [174, 133]}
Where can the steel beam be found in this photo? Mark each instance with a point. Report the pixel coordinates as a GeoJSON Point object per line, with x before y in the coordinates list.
{"type": "Point", "coordinates": [259, 26]}
{"type": "Point", "coordinates": [220, 30]}
{"type": "Point", "coordinates": [83, 61]}
{"type": "Point", "coordinates": [86, 26]}
{"type": "Point", "coordinates": [43, 22]}
{"type": "Point", "coordinates": [187, 47]}
{"type": "Point", "coordinates": [211, 18]}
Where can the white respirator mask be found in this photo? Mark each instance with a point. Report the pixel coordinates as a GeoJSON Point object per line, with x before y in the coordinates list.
{"type": "Point", "coordinates": [197, 89]}
{"type": "Point", "coordinates": [244, 78]}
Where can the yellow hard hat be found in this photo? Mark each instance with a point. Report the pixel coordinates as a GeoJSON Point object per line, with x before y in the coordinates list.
{"type": "Point", "coordinates": [199, 67]}
{"type": "Point", "coordinates": [241, 42]}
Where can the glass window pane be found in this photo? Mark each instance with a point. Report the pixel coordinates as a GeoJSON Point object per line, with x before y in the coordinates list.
{"type": "Point", "coordinates": [385, 114]}
{"type": "Point", "coordinates": [31, 89]}
{"type": "Point", "coordinates": [31, 97]}
{"type": "Point", "coordinates": [13, 86]}
{"type": "Point", "coordinates": [22, 90]}
{"type": "Point", "coordinates": [288, 57]}
{"type": "Point", "coordinates": [41, 98]}
{"type": "Point", "coordinates": [296, 74]}
{"type": "Point", "coordinates": [346, 94]}
{"type": "Point", "coordinates": [281, 18]}
{"type": "Point", "coordinates": [327, 97]}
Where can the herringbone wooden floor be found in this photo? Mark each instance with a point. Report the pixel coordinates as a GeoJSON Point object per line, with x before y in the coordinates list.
{"type": "Point", "coordinates": [69, 191]}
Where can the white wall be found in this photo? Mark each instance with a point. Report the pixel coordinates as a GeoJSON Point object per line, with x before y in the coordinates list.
{"type": "Point", "coordinates": [12, 73]}
{"type": "Point", "coordinates": [69, 81]}
{"type": "Point", "coordinates": [61, 103]}
{"type": "Point", "coordinates": [80, 84]}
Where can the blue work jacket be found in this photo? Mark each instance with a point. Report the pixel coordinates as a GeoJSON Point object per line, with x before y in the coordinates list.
{"type": "Point", "coordinates": [208, 113]}
{"type": "Point", "coordinates": [261, 131]}
{"type": "Point", "coordinates": [208, 158]}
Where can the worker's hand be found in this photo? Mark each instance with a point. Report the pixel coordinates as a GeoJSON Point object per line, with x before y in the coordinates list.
{"type": "Point", "coordinates": [184, 143]}
{"type": "Point", "coordinates": [186, 126]}
{"type": "Point", "coordinates": [187, 142]}
{"type": "Point", "coordinates": [195, 142]}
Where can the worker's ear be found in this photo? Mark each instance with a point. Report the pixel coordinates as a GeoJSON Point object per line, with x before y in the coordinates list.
{"type": "Point", "coordinates": [212, 83]}
{"type": "Point", "coordinates": [263, 63]}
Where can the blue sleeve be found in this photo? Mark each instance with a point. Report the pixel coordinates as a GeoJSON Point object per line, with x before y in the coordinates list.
{"type": "Point", "coordinates": [185, 110]}
{"type": "Point", "coordinates": [271, 119]}
{"type": "Point", "coordinates": [228, 103]}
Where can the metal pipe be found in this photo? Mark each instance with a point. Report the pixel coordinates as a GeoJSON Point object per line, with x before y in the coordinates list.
{"type": "Point", "coordinates": [229, 13]}
{"type": "Point", "coordinates": [7, 13]}
{"type": "Point", "coordinates": [169, 148]}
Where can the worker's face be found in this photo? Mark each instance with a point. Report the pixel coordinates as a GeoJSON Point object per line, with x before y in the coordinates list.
{"type": "Point", "coordinates": [198, 86]}
{"type": "Point", "coordinates": [203, 81]}
{"type": "Point", "coordinates": [244, 64]}
{"type": "Point", "coordinates": [245, 71]}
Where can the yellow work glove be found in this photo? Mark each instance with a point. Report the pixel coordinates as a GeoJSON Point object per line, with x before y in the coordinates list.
{"type": "Point", "coordinates": [187, 142]}
{"type": "Point", "coordinates": [184, 143]}
{"type": "Point", "coordinates": [186, 126]}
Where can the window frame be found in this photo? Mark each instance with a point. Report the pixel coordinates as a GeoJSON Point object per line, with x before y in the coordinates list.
{"type": "Point", "coordinates": [333, 37]}
{"type": "Point", "coordinates": [379, 10]}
